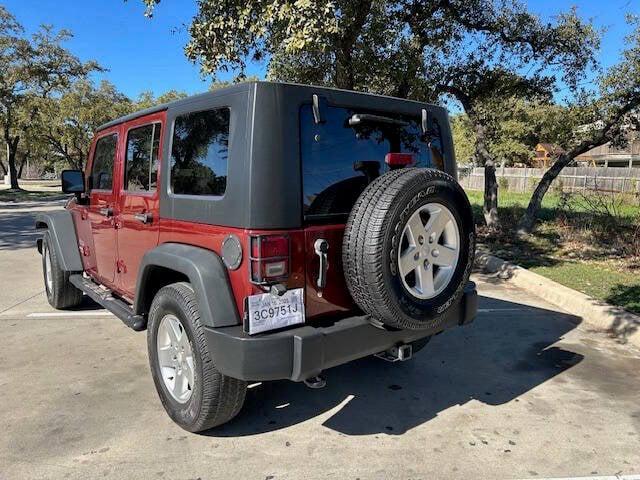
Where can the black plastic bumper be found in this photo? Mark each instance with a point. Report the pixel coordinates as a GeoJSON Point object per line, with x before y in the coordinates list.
{"type": "Point", "coordinates": [300, 353]}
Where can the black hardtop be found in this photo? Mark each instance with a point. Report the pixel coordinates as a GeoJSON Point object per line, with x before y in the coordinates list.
{"type": "Point", "coordinates": [264, 177]}
{"type": "Point", "coordinates": [198, 99]}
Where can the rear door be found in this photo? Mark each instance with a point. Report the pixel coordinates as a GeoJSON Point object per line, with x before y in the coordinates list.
{"type": "Point", "coordinates": [339, 160]}
{"type": "Point", "coordinates": [138, 203]}
{"type": "Point", "coordinates": [102, 207]}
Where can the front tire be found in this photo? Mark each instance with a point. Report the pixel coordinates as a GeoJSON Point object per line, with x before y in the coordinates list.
{"type": "Point", "coordinates": [193, 392]}
{"type": "Point", "coordinates": [60, 292]}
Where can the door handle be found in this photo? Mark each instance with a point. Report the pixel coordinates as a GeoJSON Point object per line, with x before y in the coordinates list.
{"type": "Point", "coordinates": [321, 247]}
{"type": "Point", "coordinates": [106, 212]}
{"type": "Point", "coordinates": [144, 217]}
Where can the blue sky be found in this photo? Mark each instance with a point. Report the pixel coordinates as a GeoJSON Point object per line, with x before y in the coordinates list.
{"type": "Point", "coordinates": [147, 54]}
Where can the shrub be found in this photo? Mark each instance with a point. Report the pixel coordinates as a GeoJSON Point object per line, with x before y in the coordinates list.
{"type": "Point", "coordinates": [503, 183]}
{"type": "Point", "coordinates": [558, 186]}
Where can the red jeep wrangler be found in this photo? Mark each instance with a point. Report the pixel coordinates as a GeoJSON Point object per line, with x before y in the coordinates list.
{"type": "Point", "coordinates": [266, 231]}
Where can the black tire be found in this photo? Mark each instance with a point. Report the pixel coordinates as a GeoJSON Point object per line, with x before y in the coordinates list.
{"type": "Point", "coordinates": [215, 398]}
{"type": "Point", "coordinates": [371, 242]}
{"type": "Point", "coordinates": [61, 293]}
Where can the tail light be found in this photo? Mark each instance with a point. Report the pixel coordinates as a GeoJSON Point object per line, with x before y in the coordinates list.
{"type": "Point", "coordinates": [269, 258]}
{"type": "Point", "coordinates": [399, 159]}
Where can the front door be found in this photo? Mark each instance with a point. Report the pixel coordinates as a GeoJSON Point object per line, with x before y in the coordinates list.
{"type": "Point", "coordinates": [102, 205]}
{"type": "Point", "coordinates": [138, 204]}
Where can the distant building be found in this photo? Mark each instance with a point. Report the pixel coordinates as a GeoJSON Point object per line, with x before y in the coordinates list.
{"type": "Point", "coordinates": [608, 156]}
{"type": "Point", "coordinates": [546, 154]}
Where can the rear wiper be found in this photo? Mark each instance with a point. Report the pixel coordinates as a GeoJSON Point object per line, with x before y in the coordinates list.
{"type": "Point", "coordinates": [360, 118]}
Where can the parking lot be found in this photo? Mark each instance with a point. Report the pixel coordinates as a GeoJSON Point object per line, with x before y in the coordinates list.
{"type": "Point", "coordinates": [526, 391]}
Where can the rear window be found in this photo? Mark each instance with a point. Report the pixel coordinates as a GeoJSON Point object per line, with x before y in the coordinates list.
{"type": "Point", "coordinates": [199, 153]}
{"type": "Point", "coordinates": [341, 157]}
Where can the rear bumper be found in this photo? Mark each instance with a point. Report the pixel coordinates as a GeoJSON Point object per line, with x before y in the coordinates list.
{"type": "Point", "coordinates": [301, 353]}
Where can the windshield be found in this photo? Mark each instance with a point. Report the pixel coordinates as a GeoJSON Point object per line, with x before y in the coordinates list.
{"type": "Point", "coordinates": [346, 151]}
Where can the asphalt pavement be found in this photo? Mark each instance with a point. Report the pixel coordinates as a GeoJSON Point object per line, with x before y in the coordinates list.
{"type": "Point", "coordinates": [526, 391]}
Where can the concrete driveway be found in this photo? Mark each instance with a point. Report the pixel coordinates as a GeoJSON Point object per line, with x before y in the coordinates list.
{"type": "Point", "coordinates": [523, 392]}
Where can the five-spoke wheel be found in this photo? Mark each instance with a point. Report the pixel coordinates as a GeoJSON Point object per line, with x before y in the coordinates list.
{"type": "Point", "coordinates": [429, 250]}
{"type": "Point", "coordinates": [175, 358]}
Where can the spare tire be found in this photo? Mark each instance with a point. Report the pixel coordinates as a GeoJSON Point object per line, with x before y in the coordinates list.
{"type": "Point", "coordinates": [409, 247]}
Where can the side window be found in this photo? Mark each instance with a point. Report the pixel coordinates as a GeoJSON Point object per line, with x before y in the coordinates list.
{"type": "Point", "coordinates": [141, 161]}
{"type": "Point", "coordinates": [199, 153]}
{"type": "Point", "coordinates": [103, 159]}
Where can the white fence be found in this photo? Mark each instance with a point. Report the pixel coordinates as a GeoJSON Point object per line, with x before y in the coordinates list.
{"type": "Point", "coordinates": [611, 179]}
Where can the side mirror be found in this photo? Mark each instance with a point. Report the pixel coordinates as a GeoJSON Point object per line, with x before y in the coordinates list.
{"type": "Point", "coordinates": [73, 181]}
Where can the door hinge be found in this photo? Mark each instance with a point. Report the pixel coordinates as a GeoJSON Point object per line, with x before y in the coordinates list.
{"type": "Point", "coordinates": [121, 267]}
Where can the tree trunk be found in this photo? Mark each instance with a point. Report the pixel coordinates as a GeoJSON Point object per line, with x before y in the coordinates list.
{"type": "Point", "coordinates": [529, 217]}
{"type": "Point", "coordinates": [344, 77]}
{"type": "Point", "coordinates": [23, 162]}
{"type": "Point", "coordinates": [4, 169]}
{"type": "Point", "coordinates": [490, 203]}
{"type": "Point", "coordinates": [13, 171]}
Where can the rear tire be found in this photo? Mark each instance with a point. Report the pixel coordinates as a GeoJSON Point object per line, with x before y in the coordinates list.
{"type": "Point", "coordinates": [211, 398]}
{"type": "Point", "coordinates": [60, 292]}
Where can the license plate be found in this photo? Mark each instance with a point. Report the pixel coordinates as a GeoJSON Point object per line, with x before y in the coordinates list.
{"type": "Point", "coordinates": [269, 312]}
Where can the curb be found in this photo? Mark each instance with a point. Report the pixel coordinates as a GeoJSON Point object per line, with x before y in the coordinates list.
{"type": "Point", "coordinates": [617, 321]}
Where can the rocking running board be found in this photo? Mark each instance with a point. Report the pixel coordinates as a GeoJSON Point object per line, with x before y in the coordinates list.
{"type": "Point", "coordinates": [105, 298]}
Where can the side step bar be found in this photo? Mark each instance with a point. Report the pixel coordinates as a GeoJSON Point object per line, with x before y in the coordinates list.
{"type": "Point", "coordinates": [103, 297]}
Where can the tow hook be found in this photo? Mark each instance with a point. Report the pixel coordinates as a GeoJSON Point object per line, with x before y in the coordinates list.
{"type": "Point", "coordinates": [316, 382]}
{"type": "Point", "coordinates": [399, 353]}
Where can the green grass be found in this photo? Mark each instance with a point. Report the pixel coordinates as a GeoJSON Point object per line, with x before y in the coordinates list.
{"type": "Point", "coordinates": [8, 195]}
{"type": "Point", "coordinates": [551, 202]}
{"type": "Point", "coordinates": [597, 280]}
{"type": "Point", "coordinates": [571, 245]}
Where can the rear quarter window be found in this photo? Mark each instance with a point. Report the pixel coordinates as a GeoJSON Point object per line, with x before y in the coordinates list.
{"type": "Point", "coordinates": [200, 152]}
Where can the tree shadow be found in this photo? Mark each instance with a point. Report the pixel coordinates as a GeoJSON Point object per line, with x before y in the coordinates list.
{"type": "Point", "coordinates": [17, 228]}
{"type": "Point", "coordinates": [506, 352]}
{"type": "Point", "coordinates": [626, 295]}
{"type": "Point", "coordinates": [625, 322]}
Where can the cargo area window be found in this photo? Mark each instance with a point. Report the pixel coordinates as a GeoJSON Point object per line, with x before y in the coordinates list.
{"type": "Point", "coordinates": [200, 152]}
{"type": "Point", "coordinates": [141, 161]}
{"type": "Point", "coordinates": [343, 153]}
{"type": "Point", "coordinates": [103, 158]}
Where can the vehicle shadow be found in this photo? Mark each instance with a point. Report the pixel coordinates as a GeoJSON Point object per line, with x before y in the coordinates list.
{"type": "Point", "coordinates": [506, 352]}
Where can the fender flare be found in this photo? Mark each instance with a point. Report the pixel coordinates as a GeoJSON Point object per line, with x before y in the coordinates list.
{"type": "Point", "coordinates": [63, 236]}
{"type": "Point", "coordinates": [206, 273]}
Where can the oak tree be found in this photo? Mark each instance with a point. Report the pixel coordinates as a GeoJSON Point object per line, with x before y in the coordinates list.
{"type": "Point", "coordinates": [31, 68]}
{"type": "Point", "coordinates": [474, 51]}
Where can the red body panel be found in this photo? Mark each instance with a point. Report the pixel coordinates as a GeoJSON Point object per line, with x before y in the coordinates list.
{"type": "Point", "coordinates": [112, 247]}
{"type": "Point", "coordinates": [103, 234]}
{"type": "Point", "coordinates": [135, 238]}
{"type": "Point", "coordinates": [335, 297]}
{"type": "Point", "coordinates": [211, 237]}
